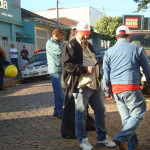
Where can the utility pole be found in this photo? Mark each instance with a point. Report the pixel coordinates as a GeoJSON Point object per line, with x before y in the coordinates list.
{"type": "Point", "coordinates": [57, 13]}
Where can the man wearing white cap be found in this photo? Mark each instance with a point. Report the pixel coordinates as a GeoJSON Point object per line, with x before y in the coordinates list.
{"type": "Point", "coordinates": [121, 79]}
{"type": "Point", "coordinates": [82, 80]}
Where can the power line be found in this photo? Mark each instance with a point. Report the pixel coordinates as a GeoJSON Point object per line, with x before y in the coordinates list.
{"type": "Point", "coordinates": [122, 10]}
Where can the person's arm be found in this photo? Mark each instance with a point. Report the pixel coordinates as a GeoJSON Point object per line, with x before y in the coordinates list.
{"type": "Point", "coordinates": [53, 48]}
{"type": "Point", "coordinates": [106, 83]}
{"type": "Point", "coordinates": [21, 53]}
{"type": "Point", "coordinates": [14, 53]}
{"type": "Point", "coordinates": [27, 53]}
{"type": "Point", "coordinates": [3, 53]}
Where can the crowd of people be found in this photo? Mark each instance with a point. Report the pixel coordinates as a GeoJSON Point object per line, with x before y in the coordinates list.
{"type": "Point", "coordinates": [77, 83]}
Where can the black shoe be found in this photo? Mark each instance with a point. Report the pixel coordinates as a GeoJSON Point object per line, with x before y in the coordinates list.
{"type": "Point", "coordinates": [2, 89]}
{"type": "Point", "coordinates": [60, 116]}
{"type": "Point", "coordinates": [69, 137]}
{"type": "Point", "coordinates": [55, 114]}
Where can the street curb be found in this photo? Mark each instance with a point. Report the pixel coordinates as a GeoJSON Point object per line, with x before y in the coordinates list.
{"type": "Point", "coordinates": [13, 82]}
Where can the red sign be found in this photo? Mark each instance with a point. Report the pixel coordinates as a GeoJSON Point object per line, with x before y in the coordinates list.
{"type": "Point", "coordinates": [132, 22]}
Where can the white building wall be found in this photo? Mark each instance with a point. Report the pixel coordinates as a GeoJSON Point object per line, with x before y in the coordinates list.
{"type": "Point", "coordinates": [88, 14]}
{"type": "Point", "coordinates": [94, 15]}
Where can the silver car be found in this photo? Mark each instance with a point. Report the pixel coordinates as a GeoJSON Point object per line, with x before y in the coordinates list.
{"type": "Point", "coordinates": [36, 66]}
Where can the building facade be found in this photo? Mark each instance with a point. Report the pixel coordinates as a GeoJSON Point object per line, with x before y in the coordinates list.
{"type": "Point", "coordinates": [39, 28]}
{"type": "Point", "coordinates": [20, 26]}
{"type": "Point", "coordinates": [10, 19]}
{"type": "Point", "coordinates": [89, 14]}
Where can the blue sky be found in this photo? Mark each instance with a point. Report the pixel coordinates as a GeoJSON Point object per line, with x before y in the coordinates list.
{"type": "Point", "coordinates": [112, 8]}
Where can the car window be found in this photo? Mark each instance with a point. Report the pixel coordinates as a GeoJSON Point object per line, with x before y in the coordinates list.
{"type": "Point", "coordinates": [38, 57]}
{"type": "Point", "coordinates": [42, 56]}
{"type": "Point", "coordinates": [144, 40]}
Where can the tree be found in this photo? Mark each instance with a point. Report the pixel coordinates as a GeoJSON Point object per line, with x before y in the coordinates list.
{"type": "Point", "coordinates": [143, 4]}
{"type": "Point", "coordinates": [106, 27]}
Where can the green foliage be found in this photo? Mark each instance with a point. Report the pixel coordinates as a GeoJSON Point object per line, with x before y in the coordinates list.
{"type": "Point", "coordinates": [142, 5]}
{"type": "Point", "coordinates": [106, 27]}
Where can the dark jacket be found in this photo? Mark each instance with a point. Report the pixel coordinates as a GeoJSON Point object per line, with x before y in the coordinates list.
{"type": "Point", "coordinates": [72, 60]}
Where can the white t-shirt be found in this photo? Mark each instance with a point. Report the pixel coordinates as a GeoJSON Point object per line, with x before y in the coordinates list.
{"type": "Point", "coordinates": [13, 55]}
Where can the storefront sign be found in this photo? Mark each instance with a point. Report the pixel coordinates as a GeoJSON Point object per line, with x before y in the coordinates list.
{"type": "Point", "coordinates": [3, 4]}
{"type": "Point", "coordinates": [131, 22]}
{"type": "Point", "coordinates": [7, 15]}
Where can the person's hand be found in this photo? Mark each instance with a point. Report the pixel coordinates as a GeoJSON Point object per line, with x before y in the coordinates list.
{"type": "Point", "coordinates": [90, 69]}
{"type": "Point", "coordinates": [110, 98]}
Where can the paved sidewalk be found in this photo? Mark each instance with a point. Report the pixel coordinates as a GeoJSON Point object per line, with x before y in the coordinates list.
{"type": "Point", "coordinates": [26, 121]}
{"type": "Point", "coordinates": [12, 81]}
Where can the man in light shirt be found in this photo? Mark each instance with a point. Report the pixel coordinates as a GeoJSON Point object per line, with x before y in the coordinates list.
{"type": "Point", "coordinates": [14, 55]}
{"type": "Point", "coordinates": [54, 48]}
{"type": "Point", "coordinates": [82, 80]}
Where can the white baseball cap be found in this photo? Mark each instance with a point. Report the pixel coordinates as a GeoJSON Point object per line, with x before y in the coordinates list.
{"type": "Point", "coordinates": [122, 30]}
{"type": "Point", "coordinates": [83, 27]}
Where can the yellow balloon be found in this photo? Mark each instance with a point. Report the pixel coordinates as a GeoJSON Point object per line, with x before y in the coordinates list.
{"type": "Point", "coordinates": [11, 71]}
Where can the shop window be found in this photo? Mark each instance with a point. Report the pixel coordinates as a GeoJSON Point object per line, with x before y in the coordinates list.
{"type": "Point", "coordinates": [5, 38]}
{"type": "Point", "coordinates": [4, 41]}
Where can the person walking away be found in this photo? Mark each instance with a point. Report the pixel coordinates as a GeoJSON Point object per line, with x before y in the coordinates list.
{"type": "Point", "coordinates": [54, 48]}
{"type": "Point", "coordinates": [24, 54]}
{"type": "Point", "coordinates": [14, 56]}
{"type": "Point", "coordinates": [68, 119]}
{"type": "Point", "coordinates": [121, 79]}
{"type": "Point", "coordinates": [82, 80]}
{"type": "Point", "coordinates": [4, 56]}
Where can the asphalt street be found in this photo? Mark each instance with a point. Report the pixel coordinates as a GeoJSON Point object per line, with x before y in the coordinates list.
{"type": "Point", "coordinates": [26, 121]}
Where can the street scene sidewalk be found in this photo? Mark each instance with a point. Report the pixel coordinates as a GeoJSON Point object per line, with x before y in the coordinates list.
{"type": "Point", "coordinates": [12, 81]}
{"type": "Point", "coordinates": [27, 121]}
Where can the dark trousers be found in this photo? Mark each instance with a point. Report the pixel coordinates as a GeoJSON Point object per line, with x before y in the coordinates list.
{"type": "Point", "coordinates": [14, 61]}
{"type": "Point", "coordinates": [1, 81]}
{"type": "Point", "coordinates": [68, 119]}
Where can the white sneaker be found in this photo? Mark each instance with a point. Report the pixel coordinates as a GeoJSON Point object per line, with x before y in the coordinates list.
{"type": "Point", "coordinates": [107, 142]}
{"type": "Point", "coordinates": [85, 145]}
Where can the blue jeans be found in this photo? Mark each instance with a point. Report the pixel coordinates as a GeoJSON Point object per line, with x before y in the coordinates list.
{"type": "Point", "coordinates": [132, 107]}
{"type": "Point", "coordinates": [82, 96]}
{"type": "Point", "coordinates": [58, 93]}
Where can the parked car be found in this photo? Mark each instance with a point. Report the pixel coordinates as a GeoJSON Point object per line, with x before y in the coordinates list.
{"type": "Point", "coordinates": [142, 38]}
{"type": "Point", "coordinates": [100, 54]}
{"type": "Point", "coordinates": [36, 66]}
{"type": "Point", "coordinates": [143, 80]}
